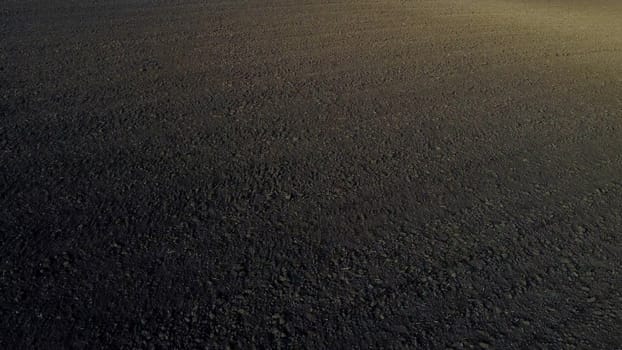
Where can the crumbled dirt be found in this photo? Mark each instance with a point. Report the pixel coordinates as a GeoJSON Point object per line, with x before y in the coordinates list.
{"type": "Point", "coordinates": [311, 174]}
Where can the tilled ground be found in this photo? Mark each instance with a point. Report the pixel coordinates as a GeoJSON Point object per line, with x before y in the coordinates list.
{"type": "Point", "coordinates": [311, 174]}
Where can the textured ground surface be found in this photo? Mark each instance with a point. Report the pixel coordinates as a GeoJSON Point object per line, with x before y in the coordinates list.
{"type": "Point", "coordinates": [431, 174]}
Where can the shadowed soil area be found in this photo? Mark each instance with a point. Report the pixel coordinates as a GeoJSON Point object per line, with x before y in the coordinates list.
{"type": "Point", "coordinates": [311, 174]}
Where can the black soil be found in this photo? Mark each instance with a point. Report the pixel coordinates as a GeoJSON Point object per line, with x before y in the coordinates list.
{"type": "Point", "coordinates": [310, 174]}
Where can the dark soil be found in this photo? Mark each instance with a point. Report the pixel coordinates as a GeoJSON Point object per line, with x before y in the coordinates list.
{"type": "Point", "coordinates": [310, 174]}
